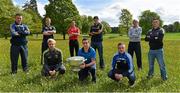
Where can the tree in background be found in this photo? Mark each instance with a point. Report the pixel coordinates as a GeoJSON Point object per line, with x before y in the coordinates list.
{"type": "Point", "coordinates": [86, 22]}
{"type": "Point", "coordinates": [62, 12]}
{"type": "Point", "coordinates": [125, 21]}
{"type": "Point", "coordinates": [7, 12]}
{"type": "Point", "coordinates": [31, 8]}
{"type": "Point", "coordinates": [175, 27]}
{"type": "Point", "coordinates": [32, 4]}
{"type": "Point", "coordinates": [106, 27]}
{"type": "Point", "coordinates": [146, 18]}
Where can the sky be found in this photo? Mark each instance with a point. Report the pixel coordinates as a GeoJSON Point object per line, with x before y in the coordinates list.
{"type": "Point", "coordinates": [110, 10]}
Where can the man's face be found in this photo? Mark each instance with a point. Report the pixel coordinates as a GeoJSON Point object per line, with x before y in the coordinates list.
{"type": "Point", "coordinates": [121, 48]}
{"type": "Point", "coordinates": [51, 45]}
{"type": "Point", "coordinates": [135, 23]}
{"type": "Point", "coordinates": [85, 43]}
{"type": "Point", "coordinates": [48, 21]}
{"type": "Point", "coordinates": [18, 19]}
{"type": "Point", "coordinates": [155, 23]}
{"type": "Point", "coordinates": [96, 20]}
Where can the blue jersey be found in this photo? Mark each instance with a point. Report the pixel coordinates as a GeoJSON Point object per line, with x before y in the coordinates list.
{"type": "Point", "coordinates": [88, 55]}
{"type": "Point", "coordinates": [123, 62]}
{"type": "Point", "coordinates": [22, 30]}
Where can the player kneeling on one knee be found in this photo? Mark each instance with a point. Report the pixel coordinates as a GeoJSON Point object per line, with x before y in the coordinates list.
{"type": "Point", "coordinates": [122, 66]}
{"type": "Point", "coordinates": [52, 59]}
{"type": "Point", "coordinates": [89, 66]}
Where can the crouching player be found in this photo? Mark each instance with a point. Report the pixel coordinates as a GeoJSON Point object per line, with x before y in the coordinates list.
{"type": "Point", "coordinates": [52, 59]}
{"type": "Point", "coordinates": [122, 66]}
{"type": "Point", "coordinates": [89, 66]}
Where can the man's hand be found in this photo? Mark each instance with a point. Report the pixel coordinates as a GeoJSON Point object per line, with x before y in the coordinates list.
{"type": "Point", "coordinates": [96, 32]}
{"type": "Point", "coordinates": [16, 33]}
{"type": "Point", "coordinates": [118, 76]}
{"type": "Point", "coordinates": [52, 73]}
{"type": "Point", "coordinates": [91, 34]}
{"type": "Point", "coordinates": [83, 65]}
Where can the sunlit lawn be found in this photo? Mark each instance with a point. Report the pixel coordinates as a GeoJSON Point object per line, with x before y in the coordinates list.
{"type": "Point", "coordinates": [34, 82]}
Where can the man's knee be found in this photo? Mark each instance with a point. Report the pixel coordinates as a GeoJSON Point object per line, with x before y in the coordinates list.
{"type": "Point", "coordinates": [62, 71]}
{"type": "Point", "coordinates": [110, 74]}
{"type": "Point", "coordinates": [44, 72]}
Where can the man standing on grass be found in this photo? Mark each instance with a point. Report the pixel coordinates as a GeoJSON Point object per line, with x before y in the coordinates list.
{"type": "Point", "coordinates": [89, 66]}
{"type": "Point", "coordinates": [134, 43]}
{"type": "Point", "coordinates": [155, 39]}
{"type": "Point", "coordinates": [19, 42]}
{"type": "Point", "coordinates": [48, 32]}
{"type": "Point", "coordinates": [122, 66]}
{"type": "Point", "coordinates": [97, 38]}
{"type": "Point", "coordinates": [52, 59]}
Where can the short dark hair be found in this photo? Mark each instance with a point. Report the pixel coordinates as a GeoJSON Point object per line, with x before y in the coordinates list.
{"type": "Point", "coordinates": [18, 14]}
{"type": "Point", "coordinates": [84, 39]}
{"type": "Point", "coordinates": [156, 18]}
{"type": "Point", "coordinates": [96, 17]}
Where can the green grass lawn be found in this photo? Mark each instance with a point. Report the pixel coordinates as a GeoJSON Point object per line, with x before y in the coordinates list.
{"type": "Point", "coordinates": [34, 82]}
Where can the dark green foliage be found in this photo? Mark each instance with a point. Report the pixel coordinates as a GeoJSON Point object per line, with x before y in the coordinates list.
{"type": "Point", "coordinates": [145, 20]}
{"type": "Point", "coordinates": [62, 12]}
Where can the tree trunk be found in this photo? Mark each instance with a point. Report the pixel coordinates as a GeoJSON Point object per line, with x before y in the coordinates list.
{"type": "Point", "coordinates": [64, 35]}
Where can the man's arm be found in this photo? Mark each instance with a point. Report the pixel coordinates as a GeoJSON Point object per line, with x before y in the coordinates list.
{"type": "Point", "coordinates": [60, 60]}
{"type": "Point", "coordinates": [139, 32]}
{"type": "Point", "coordinates": [91, 32]}
{"type": "Point", "coordinates": [53, 31]}
{"type": "Point", "coordinates": [45, 61]}
{"type": "Point", "coordinates": [93, 59]}
{"type": "Point", "coordinates": [130, 63]}
{"type": "Point", "coordinates": [147, 38]}
{"type": "Point", "coordinates": [114, 63]}
{"type": "Point", "coordinates": [13, 32]}
{"type": "Point", "coordinates": [25, 32]}
{"type": "Point", "coordinates": [100, 30]}
{"type": "Point", "coordinates": [129, 33]}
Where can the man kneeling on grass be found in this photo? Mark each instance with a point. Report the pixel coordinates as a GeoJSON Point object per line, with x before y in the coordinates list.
{"type": "Point", "coordinates": [89, 66]}
{"type": "Point", "coordinates": [122, 66]}
{"type": "Point", "coordinates": [52, 59]}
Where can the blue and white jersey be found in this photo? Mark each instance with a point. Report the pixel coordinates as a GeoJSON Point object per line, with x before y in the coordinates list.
{"type": "Point", "coordinates": [19, 33]}
{"type": "Point", "coordinates": [123, 62]}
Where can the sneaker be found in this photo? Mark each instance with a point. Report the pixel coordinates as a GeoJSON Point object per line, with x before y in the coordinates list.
{"type": "Point", "coordinates": [132, 84]}
{"type": "Point", "coordinates": [94, 80]}
{"type": "Point", "coordinates": [164, 79]}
